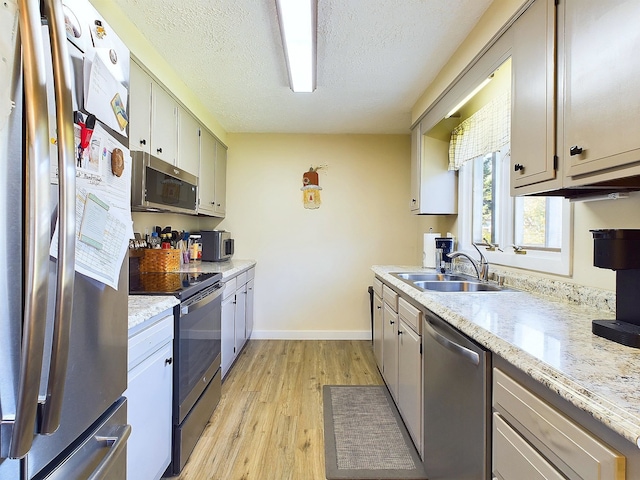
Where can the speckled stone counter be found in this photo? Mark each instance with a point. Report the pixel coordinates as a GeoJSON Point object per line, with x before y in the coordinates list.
{"type": "Point", "coordinates": [144, 307]}
{"type": "Point", "coordinates": [548, 339]}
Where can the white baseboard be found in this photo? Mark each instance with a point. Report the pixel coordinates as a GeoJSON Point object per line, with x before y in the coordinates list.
{"type": "Point", "coordinates": [311, 335]}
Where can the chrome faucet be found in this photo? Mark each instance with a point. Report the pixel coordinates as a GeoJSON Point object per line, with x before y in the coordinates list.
{"type": "Point", "coordinates": [481, 267]}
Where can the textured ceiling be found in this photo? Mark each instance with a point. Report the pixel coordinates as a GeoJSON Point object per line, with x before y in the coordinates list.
{"type": "Point", "coordinates": [375, 58]}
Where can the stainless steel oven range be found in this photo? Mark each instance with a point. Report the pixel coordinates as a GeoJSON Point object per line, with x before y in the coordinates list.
{"type": "Point", "coordinates": [196, 350]}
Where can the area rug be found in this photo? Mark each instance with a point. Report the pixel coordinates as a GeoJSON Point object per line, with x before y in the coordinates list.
{"type": "Point", "coordinates": [364, 436]}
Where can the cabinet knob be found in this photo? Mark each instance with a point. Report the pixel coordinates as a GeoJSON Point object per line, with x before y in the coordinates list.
{"type": "Point", "coordinates": [400, 332]}
{"type": "Point", "coordinates": [168, 361]}
{"type": "Point", "coordinates": [391, 322]}
{"type": "Point", "coordinates": [575, 150]}
{"type": "Point", "coordinates": [379, 307]}
{"type": "Point", "coordinates": [518, 167]}
{"type": "Point", "coordinates": [143, 141]}
{"type": "Point", "coordinates": [213, 203]}
{"type": "Point", "coordinates": [159, 150]}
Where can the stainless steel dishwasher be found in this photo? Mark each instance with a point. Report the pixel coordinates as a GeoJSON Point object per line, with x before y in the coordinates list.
{"type": "Point", "coordinates": [456, 404]}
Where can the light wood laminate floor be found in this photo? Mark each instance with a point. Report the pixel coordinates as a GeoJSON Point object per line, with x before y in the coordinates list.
{"type": "Point", "coordinates": [268, 424]}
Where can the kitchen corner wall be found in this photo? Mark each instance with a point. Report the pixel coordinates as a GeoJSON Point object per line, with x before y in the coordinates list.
{"type": "Point", "coordinates": [313, 266]}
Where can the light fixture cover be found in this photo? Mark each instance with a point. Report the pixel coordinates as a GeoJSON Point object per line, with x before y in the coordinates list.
{"type": "Point", "coordinates": [298, 25]}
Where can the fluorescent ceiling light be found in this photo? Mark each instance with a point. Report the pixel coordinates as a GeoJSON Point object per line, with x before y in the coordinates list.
{"type": "Point", "coordinates": [298, 24]}
{"type": "Point", "coordinates": [469, 97]}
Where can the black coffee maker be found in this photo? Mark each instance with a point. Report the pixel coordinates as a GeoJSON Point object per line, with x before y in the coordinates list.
{"type": "Point", "coordinates": [619, 250]}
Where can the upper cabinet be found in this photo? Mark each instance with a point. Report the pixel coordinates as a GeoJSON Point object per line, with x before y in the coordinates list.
{"type": "Point", "coordinates": [207, 191]}
{"type": "Point", "coordinates": [140, 109]}
{"type": "Point", "coordinates": [213, 176]}
{"type": "Point", "coordinates": [533, 98]}
{"type": "Point", "coordinates": [221, 180]}
{"type": "Point", "coordinates": [602, 101]}
{"type": "Point", "coordinates": [576, 105]}
{"type": "Point", "coordinates": [434, 189]}
{"type": "Point", "coordinates": [188, 142]}
{"type": "Point", "coordinates": [164, 125]}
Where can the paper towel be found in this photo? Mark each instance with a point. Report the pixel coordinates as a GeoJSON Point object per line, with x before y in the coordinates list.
{"type": "Point", "coordinates": [429, 250]}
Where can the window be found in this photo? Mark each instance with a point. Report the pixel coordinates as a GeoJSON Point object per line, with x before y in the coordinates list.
{"type": "Point", "coordinates": [488, 214]}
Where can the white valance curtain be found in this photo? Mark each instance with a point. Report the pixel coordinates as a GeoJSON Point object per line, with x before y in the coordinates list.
{"type": "Point", "coordinates": [484, 132]}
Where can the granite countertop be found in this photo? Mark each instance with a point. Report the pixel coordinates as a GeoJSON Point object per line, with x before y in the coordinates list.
{"type": "Point", "coordinates": [144, 307]}
{"type": "Point", "coordinates": [548, 339]}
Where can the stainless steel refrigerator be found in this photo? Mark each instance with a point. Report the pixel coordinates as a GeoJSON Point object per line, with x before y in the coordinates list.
{"type": "Point", "coordinates": [63, 336]}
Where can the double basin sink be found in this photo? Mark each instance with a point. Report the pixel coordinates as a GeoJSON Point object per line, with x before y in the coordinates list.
{"type": "Point", "coordinates": [445, 282]}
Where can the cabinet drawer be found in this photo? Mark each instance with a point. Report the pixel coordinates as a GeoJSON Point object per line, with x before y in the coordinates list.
{"type": "Point", "coordinates": [514, 459]}
{"type": "Point", "coordinates": [229, 287]}
{"type": "Point", "coordinates": [241, 279]}
{"type": "Point", "coordinates": [390, 297]}
{"type": "Point", "coordinates": [563, 441]}
{"type": "Point", "coordinates": [251, 273]}
{"type": "Point", "coordinates": [149, 340]}
{"type": "Point", "coordinates": [377, 286]}
{"type": "Point", "coordinates": [410, 314]}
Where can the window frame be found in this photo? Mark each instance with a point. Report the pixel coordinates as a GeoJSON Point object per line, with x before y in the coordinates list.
{"type": "Point", "coordinates": [546, 261]}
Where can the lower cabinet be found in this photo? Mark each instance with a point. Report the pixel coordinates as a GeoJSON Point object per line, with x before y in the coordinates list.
{"type": "Point", "coordinates": [397, 346]}
{"type": "Point", "coordinates": [409, 397]}
{"type": "Point", "coordinates": [237, 316]}
{"type": "Point", "coordinates": [533, 440]}
{"type": "Point", "coordinates": [390, 349]}
{"type": "Point", "coordinates": [149, 396]}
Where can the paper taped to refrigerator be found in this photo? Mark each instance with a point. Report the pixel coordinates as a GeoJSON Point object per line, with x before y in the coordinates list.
{"type": "Point", "coordinates": [103, 212]}
{"type": "Point", "coordinates": [104, 95]}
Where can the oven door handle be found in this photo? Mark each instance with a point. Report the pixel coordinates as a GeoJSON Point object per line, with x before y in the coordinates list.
{"type": "Point", "coordinates": [187, 307]}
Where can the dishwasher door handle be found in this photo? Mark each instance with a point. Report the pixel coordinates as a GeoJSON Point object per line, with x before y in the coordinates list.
{"type": "Point", "coordinates": [452, 346]}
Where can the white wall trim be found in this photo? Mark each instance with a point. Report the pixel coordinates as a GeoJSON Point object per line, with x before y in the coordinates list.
{"type": "Point", "coordinates": [311, 335]}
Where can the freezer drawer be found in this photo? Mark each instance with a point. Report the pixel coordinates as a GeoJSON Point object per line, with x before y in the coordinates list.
{"type": "Point", "coordinates": [101, 451]}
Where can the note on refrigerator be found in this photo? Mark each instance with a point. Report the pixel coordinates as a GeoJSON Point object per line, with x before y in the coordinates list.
{"type": "Point", "coordinates": [104, 95]}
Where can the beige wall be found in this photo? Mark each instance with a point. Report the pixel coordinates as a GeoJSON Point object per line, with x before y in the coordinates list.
{"type": "Point", "coordinates": [313, 266]}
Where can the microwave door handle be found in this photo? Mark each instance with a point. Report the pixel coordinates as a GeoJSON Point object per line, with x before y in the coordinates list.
{"type": "Point", "coordinates": [52, 407]}
{"type": "Point", "coordinates": [37, 229]}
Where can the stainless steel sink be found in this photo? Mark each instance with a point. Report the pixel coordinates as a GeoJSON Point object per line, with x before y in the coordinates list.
{"type": "Point", "coordinates": [430, 277]}
{"type": "Point", "coordinates": [457, 286]}
{"type": "Point", "coordinates": [445, 282]}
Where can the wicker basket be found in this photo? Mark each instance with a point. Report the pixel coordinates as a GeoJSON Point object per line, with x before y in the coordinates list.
{"type": "Point", "coordinates": [163, 260]}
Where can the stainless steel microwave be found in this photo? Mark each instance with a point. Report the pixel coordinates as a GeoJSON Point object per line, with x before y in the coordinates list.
{"type": "Point", "coordinates": [158, 186]}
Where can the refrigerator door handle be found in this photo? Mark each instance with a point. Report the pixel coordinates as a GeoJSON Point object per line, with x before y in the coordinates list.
{"type": "Point", "coordinates": [38, 232]}
{"type": "Point", "coordinates": [117, 444]}
{"type": "Point", "coordinates": [52, 407]}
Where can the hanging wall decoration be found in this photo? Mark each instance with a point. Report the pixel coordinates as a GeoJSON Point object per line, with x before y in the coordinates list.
{"type": "Point", "coordinates": [311, 188]}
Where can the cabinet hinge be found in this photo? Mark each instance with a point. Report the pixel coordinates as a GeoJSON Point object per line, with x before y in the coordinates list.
{"type": "Point", "coordinates": [555, 162]}
{"type": "Point", "coordinates": [420, 349]}
{"type": "Point", "coordinates": [557, 2]}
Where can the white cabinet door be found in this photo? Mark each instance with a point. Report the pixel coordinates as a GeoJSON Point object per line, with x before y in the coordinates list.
{"type": "Point", "coordinates": [164, 126]}
{"type": "Point", "coordinates": [240, 319]}
{"type": "Point", "coordinates": [207, 186]}
{"type": "Point", "coordinates": [188, 142]}
{"type": "Point", "coordinates": [378, 331]}
{"type": "Point", "coordinates": [228, 333]}
{"type": "Point", "coordinates": [410, 381]}
{"type": "Point", "coordinates": [149, 401]}
{"type": "Point", "coordinates": [140, 109]}
{"type": "Point", "coordinates": [390, 347]}
{"type": "Point", "coordinates": [249, 309]}
{"type": "Point", "coordinates": [221, 180]}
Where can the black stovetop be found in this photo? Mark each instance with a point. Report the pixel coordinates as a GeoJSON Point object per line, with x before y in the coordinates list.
{"type": "Point", "coordinates": [181, 285]}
